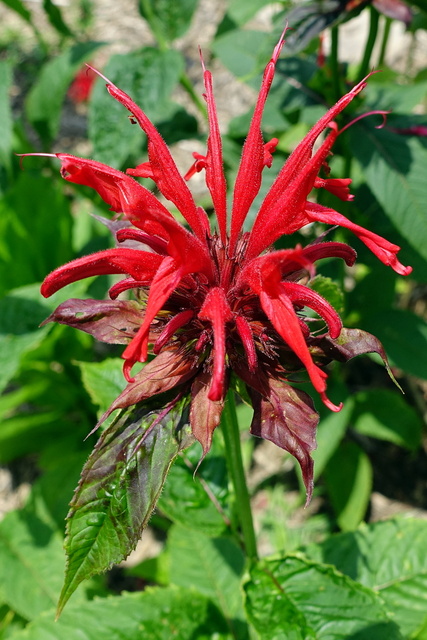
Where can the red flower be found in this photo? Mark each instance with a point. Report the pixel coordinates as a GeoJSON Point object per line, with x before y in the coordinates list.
{"type": "Point", "coordinates": [209, 302]}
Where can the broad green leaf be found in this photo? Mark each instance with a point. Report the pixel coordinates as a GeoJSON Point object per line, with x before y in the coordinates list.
{"type": "Point", "coordinates": [154, 614]}
{"type": "Point", "coordinates": [404, 336]}
{"type": "Point", "coordinates": [187, 497]}
{"type": "Point", "coordinates": [103, 381]}
{"type": "Point", "coordinates": [240, 12]}
{"type": "Point", "coordinates": [119, 488]}
{"type": "Point", "coordinates": [44, 102]}
{"type": "Point", "coordinates": [394, 167]}
{"type": "Point", "coordinates": [148, 76]}
{"type": "Point", "coordinates": [168, 19]}
{"type": "Point", "coordinates": [384, 414]}
{"type": "Point", "coordinates": [35, 229]}
{"type": "Point", "coordinates": [31, 564]}
{"type": "Point", "coordinates": [213, 566]}
{"type": "Point", "coordinates": [296, 598]}
{"type": "Point", "coordinates": [398, 98]}
{"type": "Point", "coordinates": [54, 14]}
{"type": "Point", "coordinates": [243, 52]}
{"type": "Point", "coordinates": [6, 121]}
{"type": "Point", "coordinates": [388, 557]}
{"type": "Point", "coordinates": [349, 480]}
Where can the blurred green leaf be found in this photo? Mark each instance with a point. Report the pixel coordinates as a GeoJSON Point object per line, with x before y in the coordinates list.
{"type": "Point", "coordinates": [348, 477]}
{"type": "Point", "coordinates": [6, 121]}
{"type": "Point", "coordinates": [148, 76]}
{"type": "Point", "coordinates": [240, 12]}
{"type": "Point", "coordinates": [404, 336]}
{"type": "Point", "coordinates": [330, 432]}
{"type": "Point", "coordinates": [118, 489]}
{"type": "Point", "coordinates": [395, 97]}
{"type": "Point", "coordinates": [384, 414]}
{"type": "Point", "coordinates": [44, 101]}
{"type": "Point", "coordinates": [388, 557]}
{"type": "Point", "coordinates": [213, 566]}
{"type": "Point", "coordinates": [54, 14]}
{"type": "Point", "coordinates": [394, 167]}
{"type": "Point", "coordinates": [31, 563]}
{"type": "Point", "coordinates": [168, 19]}
{"type": "Point", "coordinates": [297, 598]}
{"type": "Point", "coordinates": [243, 52]}
{"type": "Point", "coordinates": [154, 614]}
{"type": "Point", "coordinates": [20, 8]}
{"type": "Point", "coordinates": [103, 381]}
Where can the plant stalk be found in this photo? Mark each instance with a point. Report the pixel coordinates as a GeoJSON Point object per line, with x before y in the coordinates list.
{"type": "Point", "coordinates": [233, 452]}
{"type": "Point", "coordinates": [370, 43]}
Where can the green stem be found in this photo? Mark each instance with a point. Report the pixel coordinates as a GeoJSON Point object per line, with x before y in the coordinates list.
{"type": "Point", "coordinates": [372, 36]}
{"type": "Point", "coordinates": [186, 84]}
{"type": "Point", "coordinates": [386, 34]}
{"type": "Point", "coordinates": [334, 63]}
{"type": "Point", "coordinates": [233, 452]}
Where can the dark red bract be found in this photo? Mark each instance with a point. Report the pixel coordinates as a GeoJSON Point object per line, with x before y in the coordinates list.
{"type": "Point", "coordinates": [209, 302]}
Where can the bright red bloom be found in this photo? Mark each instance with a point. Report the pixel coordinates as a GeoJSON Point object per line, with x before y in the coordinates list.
{"type": "Point", "coordinates": [208, 302]}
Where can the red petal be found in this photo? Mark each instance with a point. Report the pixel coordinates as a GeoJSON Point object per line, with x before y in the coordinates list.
{"type": "Point", "coordinates": [301, 295]}
{"type": "Point", "coordinates": [217, 311]}
{"type": "Point", "coordinates": [245, 333]}
{"type": "Point", "coordinates": [141, 265]}
{"type": "Point", "coordinates": [338, 186]}
{"type": "Point", "coordinates": [215, 178]}
{"type": "Point", "coordinates": [164, 169]}
{"type": "Point", "coordinates": [248, 180]}
{"type": "Point", "coordinates": [178, 321]}
{"type": "Point", "coordinates": [383, 249]}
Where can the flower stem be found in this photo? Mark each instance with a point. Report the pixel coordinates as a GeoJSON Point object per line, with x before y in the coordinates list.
{"type": "Point", "coordinates": [233, 453]}
{"type": "Point", "coordinates": [386, 34]}
{"type": "Point", "coordinates": [334, 63]}
{"type": "Point", "coordinates": [187, 85]}
{"type": "Point", "coordinates": [372, 36]}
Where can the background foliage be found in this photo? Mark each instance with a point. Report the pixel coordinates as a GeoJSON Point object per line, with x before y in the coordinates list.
{"type": "Point", "coordinates": [323, 574]}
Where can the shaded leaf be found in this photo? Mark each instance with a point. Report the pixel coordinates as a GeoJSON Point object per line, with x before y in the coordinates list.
{"type": "Point", "coordinates": [103, 381]}
{"type": "Point", "coordinates": [6, 121]}
{"type": "Point", "coordinates": [330, 432]}
{"type": "Point", "coordinates": [119, 488]}
{"type": "Point", "coordinates": [20, 8]}
{"type": "Point", "coordinates": [55, 18]}
{"type": "Point", "coordinates": [154, 614]}
{"type": "Point", "coordinates": [388, 557]}
{"type": "Point", "coordinates": [213, 566]}
{"type": "Point", "coordinates": [349, 481]}
{"type": "Point", "coordinates": [296, 598]}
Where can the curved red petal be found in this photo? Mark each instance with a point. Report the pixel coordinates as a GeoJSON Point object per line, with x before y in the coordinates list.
{"type": "Point", "coordinates": [301, 295]}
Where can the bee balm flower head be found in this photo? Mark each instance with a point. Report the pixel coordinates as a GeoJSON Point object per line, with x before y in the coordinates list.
{"type": "Point", "coordinates": [210, 300]}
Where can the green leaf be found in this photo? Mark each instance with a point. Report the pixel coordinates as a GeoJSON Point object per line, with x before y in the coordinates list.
{"type": "Point", "coordinates": [33, 240]}
{"type": "Point", "coordinates": [31, 564]}
{"type": "Point", "coordinates": [187, 498]}
{"type": "Point", "coordinates": [384, 414]}
{"type": "Point", "coordinates": [243, 52]}
{"type": "Point", "coordinates": [404, 336]}
{"type": "Point", "coordinates": [55, 18]}
{"type": "Point", "coordinates": [213, 566]}
{"type": "Point", "coordinates": [329, 290]}
{"type": "Point", "coordinates": [330, 432]}
{"type": "Point", "coordinates": [103, 381]}
{"type": "Point", "coordinates": [154, 614]}
{"type": "Point", "coordinates": [20, 8]}
{"type": "Point", "coordinates": [6, 121]}
{"type": "Point", "coordinates": [349, 480]}
{"type": "Point", "coordinates": [168, 19]}
{"type": "Point", "coordinates": [119, 488]}
{"type": "Point", "coordinates": [388, 557]}
{"type": "Point", "coordinates": [240, 12]}
{"type": "Point", "coordinates": [148, 76]}
{"type": "Point", "coordinates": [394, 97]}
{"type": "Point", "coordinates": [394, 167]}
{"type": "Point", "coordinates": [295, 598]}
{"type": "Point", "coordinates": [44, 102]}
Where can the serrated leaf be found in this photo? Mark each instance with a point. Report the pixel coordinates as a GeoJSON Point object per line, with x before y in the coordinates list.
{"type": "Point", "coordinates": [148, 76]}
{"type": "Point", "coordinates": [213, 566]}
{"type": "Point", "coordinates": [349, 480]}
{"type": "Point", "coordinates": [103, 381]}
{"type": "Point", "coordinates": [384, 414]}
{"type": "Point", "coordinates": [6, 121]}
{"type": "Point", "coordinates": [168, 19]}
{"type": "Point", "coordinates": [394, 167]}
{"type": "Point", "coordinates": [329, 290]}
{"type": "Point", "coordinates": [119, 488]}
{"type": "Point", "coordinates": [154, 614]}
{"type": "Point", "coordinates": [296, 598]}
{"type": "Point", "coordinates": [44, 102]}
{"type": "Point", "coordinates": [388, 557]}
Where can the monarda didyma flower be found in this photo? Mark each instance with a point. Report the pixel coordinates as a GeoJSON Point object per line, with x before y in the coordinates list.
{"type": "Point", "coordinates": [212, 302]}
